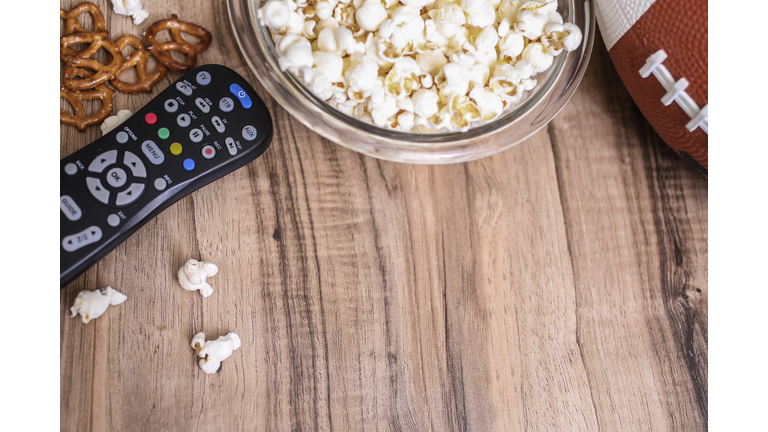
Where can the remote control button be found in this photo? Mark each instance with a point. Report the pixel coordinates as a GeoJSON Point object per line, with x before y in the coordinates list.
{"type": "Point", "coordinates": [183, 120]}
{"type": "Point", "coordinates": [187, 90]}
{"type": "Point", "coordinates": [249, 133]}
{"type": "Point", "coordinates": [135, 164]}
{"type": "Point", "coordinates": [70, 209]}
{"type": "Point", "coordinates": [70, 168]}
{"type": "Point", "coordinates": [226, 104]}
{"type": "Point", "coordinates": [122, 137]}
{"type": "Point", "coordinates": [102, 161]}
{"type": "Point", "coordinates": [152, 152]}
{"type": "Point", "coordinates": [203, 78]}
{"type": "Point", "coordinates": [150, 118]}
{"type": "Point", "coordinates": [171, 105]}
{"type": "Point", "coordinates": [130, 195]}
{"type": "Point", "coordinates": [202, 105]}
{"type": "Point", "coordinates": [218, 124]}
{"type": "Point", "coordinates": [85, 237]}
{"type": "Point", "coordinates": [163, 133]}
{"type": "Point", "coordinates": [113, 220]}
{"type": "Point", "coordinates": [97, 190]}
{"type": "Point", "coordinates": [196, 135]}
{"type": "Point", "coordinates": [160, 184]}
{"type": "Point", "coordinates": [188, 164]}
{"type": "Point", "coordinates": [176, 149]}
{"type": "Point", "coordinates": [209, 152]}
{"type": "Point", "coordinates": [116, 177]}
{"type": "Point", "coordinates": [231, 147]}
{"type": "Point", "coordinates": [241, 95]}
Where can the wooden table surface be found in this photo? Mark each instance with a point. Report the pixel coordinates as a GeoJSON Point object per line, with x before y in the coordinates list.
{"type": "Point", "coordinates": [560, 285]}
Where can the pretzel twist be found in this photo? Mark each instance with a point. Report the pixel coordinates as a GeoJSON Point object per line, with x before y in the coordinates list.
{"type": "Point", "coordinates": [72, 24]}
{"type": "Point", "coordinates": [160, 50]}
{"type": "Point", "coordinates": [82, 59]}
{"type": "Point", "coordinates": [75, 98]}
{"type": "Point", "coordinates": [139, 60]}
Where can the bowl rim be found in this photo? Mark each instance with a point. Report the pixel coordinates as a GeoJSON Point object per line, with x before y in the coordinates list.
{"type": "Point", "coordinates": [431, 148]}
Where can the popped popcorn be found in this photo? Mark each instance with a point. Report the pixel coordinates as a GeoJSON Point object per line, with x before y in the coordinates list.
{"type": "Point", "coordinates": [131, 8]}
{"type": "Point", "coordinates": [213, 352]}
{"type": "Point", "coordinates": [419, 65]}
{"type": "Point", "coordinates": [92, 304]}
{"type": "Point", "coordinates": [193, 274]}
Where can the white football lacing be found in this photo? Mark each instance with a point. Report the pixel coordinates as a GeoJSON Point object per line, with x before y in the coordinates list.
{"type": "Point", "coordinates": [676, 92]}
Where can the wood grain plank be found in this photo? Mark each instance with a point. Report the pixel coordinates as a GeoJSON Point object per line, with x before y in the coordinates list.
{"type": "Point", "coordinates": [538, 289]}
{"type": "Point", "coordinates": [639, 258]}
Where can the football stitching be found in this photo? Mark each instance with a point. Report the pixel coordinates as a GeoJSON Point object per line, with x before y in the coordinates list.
{"type": "Point", "coordinates": [676, 92]}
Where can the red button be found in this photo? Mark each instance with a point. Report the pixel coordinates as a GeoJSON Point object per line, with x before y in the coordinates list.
{"type": "Point", "coordinates": [150, 118]}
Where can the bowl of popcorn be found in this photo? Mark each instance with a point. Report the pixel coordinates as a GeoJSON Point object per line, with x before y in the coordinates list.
{"type": "Point", "coordinates": [418, 81]}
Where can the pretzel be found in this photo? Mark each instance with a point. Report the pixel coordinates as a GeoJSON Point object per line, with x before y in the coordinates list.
{"type": "Point", "coordinates": [160, 49]}
{"type": "Point", "coordinates": [75, 98]}
{"type": "Point", "coordinates": [72, 24]}
{"type": "Point", "coordinates": [82, 59]}
{"type": "Point", "coordinates": [138, 59]}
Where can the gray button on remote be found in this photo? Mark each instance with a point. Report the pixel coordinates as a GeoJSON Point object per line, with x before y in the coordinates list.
{"type": "Point", "coordinates": [218, 124]}
{"type": "Point", "coordinates": [160, 184]}
{"type": "Point", "coordinates": [70, 168]}
{"type": "Point", "coordinates": [171, 105]}
{"type": "Point", "coordinates": [187, 90]}
{"type": "Point", "coordinates": [70, 208]}
{"type": "Point", "coordinates": [113, 220]}
{"type": "Point", "coordinates": [202, 105]}
{"type": "Point", "coordinates": [97, 189]}
{"type": "Point", "coordinates": [102, 161]}
{"type": "Point", "coordinates": [209, 152]}
{"type": "Point", "coordinates": [249, 133]}
{"type": "Point", "coordinates": [196, 135]}
{"type": "Point", "coordinates": [135, 164]}
{"type": "Point", "coordinates": [122, 137]}
{"type": "Point", "coordinates": [152, 152]}
{"type": "Point", "coordinates": [129, 195]}
{"type": "Point", "coordinates": [85, 237]}
{"type": "Point", "coordinates": [203, 78]}
{"type": "Point", "coordinates": [116, 177]}
{"type": "Point", "coordinates": [226, 104]}
{"type": "Point", "coordinates": [231, 147]}
{"type": "Point", "coordinates": [183, 120]}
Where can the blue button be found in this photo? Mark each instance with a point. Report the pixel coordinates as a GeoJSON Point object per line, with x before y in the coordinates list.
{"type": "Point", "coordinates": [241, 95]}
{"type": "Point", "coordinates": [189, 164]}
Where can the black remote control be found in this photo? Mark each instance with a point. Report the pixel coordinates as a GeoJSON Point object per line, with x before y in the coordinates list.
{"type": "Point", "coordinates": [205, 125]}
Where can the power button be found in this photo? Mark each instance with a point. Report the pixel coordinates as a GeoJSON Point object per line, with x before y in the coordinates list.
{"type": "Point", "coordinates": [241, 95]}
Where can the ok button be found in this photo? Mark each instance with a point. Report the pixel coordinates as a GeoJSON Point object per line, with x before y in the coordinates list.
{"type": "Point", "coordinates": [116, 177]}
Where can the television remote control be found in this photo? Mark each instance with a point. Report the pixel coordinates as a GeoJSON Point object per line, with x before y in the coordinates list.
{"type": "Point", "coordinates": [205, 125]}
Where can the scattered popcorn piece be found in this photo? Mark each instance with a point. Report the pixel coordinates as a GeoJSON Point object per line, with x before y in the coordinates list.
{"type": "Point", "coordinates": [213, 352]}
{"type": "Point", "coordinates": [131, 8]}
{"type": "Point", "coordinates": [419, 65]}
{"type": "Point", "coordinates": [92, 304]}
{"type": "Point", "coordinates": [112, 122]}
{"type": "Point", "coordinates": [193, 274]}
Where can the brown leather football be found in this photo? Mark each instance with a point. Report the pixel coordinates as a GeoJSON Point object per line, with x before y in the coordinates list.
{"type": "Point", "coordinates": [659, 48]}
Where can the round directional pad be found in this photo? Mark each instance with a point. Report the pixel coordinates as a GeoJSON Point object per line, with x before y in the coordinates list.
{"type": "Point", "coordinates": [117, 178]}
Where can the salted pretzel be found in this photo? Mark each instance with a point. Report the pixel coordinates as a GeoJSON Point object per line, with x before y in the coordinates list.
{"type": "Point", "coordinates": [139, 60]}
{"type": "Point", "coordinates": [75, 98]}
{"type": "Point", "coordinates": [160, 49]}
{"type": "Point", "coordinates": [81, 59]}
{"type": "Point", "coordinates": [72, 24]}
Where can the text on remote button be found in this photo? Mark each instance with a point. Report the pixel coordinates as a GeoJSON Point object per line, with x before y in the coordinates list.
{"type": "Point", "coordinates": [85, 237]}
{"type": "Point", "coordinates": [70, 209]}
{"type": "Point", "coordinates": [152, 152]}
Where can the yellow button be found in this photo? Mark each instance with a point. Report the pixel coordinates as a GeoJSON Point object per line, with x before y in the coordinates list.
{"type": "Point", "coordinates": [176, 148]}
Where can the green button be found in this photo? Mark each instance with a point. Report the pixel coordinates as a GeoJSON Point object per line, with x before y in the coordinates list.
{"type": "Point", "coordinates": [163, 133]}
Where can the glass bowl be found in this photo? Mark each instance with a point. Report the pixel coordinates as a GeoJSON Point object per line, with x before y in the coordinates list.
{"type": "Point", "coordinates": [556, 86]}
